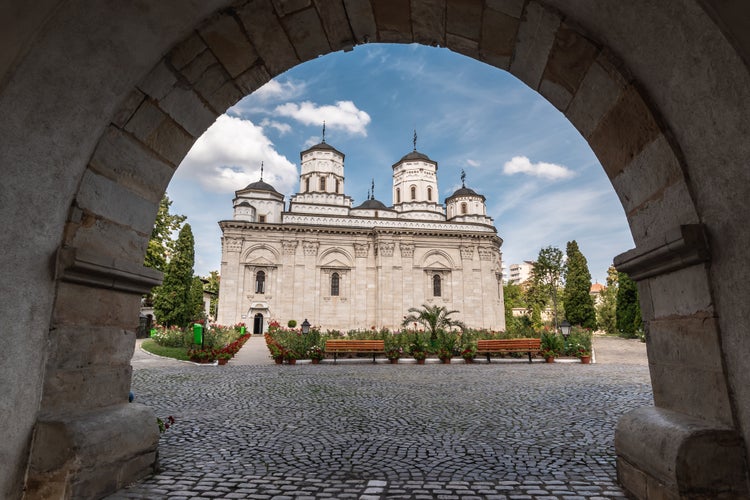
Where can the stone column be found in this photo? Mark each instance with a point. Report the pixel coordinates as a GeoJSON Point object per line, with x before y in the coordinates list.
{"type": "Point", "coordinates": [310, 282]}
{"type": "Point", "coordinates": [407, 281]}
{"type": "Point", "coordinates": [687, 445]}
{"type": "Point", "coordinates": [384, 259]}
{"type": "Point", "coordinates": [360, 295]}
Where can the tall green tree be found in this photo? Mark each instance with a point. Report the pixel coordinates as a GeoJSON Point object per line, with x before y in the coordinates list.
{"type": "Point", "coordinates": [546, 277]}
{"type": "Point", "coordinates": [606, 311]}
{"type": "Point", "coordinates": [197, 305]}
{"type": "Point", "coordinates": [579, 305]}
{"type": "Point", "coordinates": [162, 242]}
{"type": "Point", "coordinates": [514, 297]}
{"type": "Point", "coordinates": [212, 282]}
{"type": "Point", "coordinates": [174, 300]}
{"type": "Point", "coordinates": [433, 318]}
{"type": "Point", "coordinates": [628, 312]}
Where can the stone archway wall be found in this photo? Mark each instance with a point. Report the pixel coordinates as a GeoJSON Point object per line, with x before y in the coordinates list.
{"type": "Point", "coordinates": [656, 90]}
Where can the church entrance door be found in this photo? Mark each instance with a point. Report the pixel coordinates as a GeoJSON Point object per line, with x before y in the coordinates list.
{"type": "Point", "coordinates": [258, 324]}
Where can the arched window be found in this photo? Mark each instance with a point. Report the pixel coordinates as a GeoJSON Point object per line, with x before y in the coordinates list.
{"type": "Point", "coordinates": [429, 194]}
{"type": "Point", "coordinates": [260, 282]}
{"type": "Point", "coordinates": [322, 183]}
{"type": "Point", "coordinates": [337, 185]}
{"type": "Point", "coordinates": [436, 285]}
{"type": "Point", "coordinates": [398, 195]}
{"type": "Point", "coordinates": [463, 208]}
{"type": "Point", "coordinates": [335, 284]}
{"type": "Point", "coordinates": [307, 185]}
{"type": "Point", "coordinates": [414, 192]}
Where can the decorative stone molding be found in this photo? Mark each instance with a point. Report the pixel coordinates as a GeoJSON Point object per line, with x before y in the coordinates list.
{"type": "Point", "coordinates": [467, 252]}
{"type": "Point", "coordinates": [386, 248]}
{"type": "Point", "coordinates": [407, 249]}
{"type": "Point", "coordinates": [290, 246]}
{"type": "Point", "coordinates": [677, 249]}
{"type": "Point", "coordinates": [314, 220]}
{"type": "Point", "coordinates": [361, 249]}
{"type": "Point", "coordinates": [310, 247]}
{"type": "Point", "coordinates": [233, 244]}
{"type": "Point", "coordinates": [75, 266]}
{"type": "Point", "coordinates": [486, 253]}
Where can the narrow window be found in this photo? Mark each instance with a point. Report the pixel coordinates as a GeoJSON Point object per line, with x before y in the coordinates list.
{"type": "Point", "coordinates": [398, 195]}
{"type": "Point", "coordinates": [413, 193]}
{"type": "Point", "coordinates": [463, 208]}
{"type": "Point", "coordinates": [429, 194]}
{"type": "Point", "coordinates": [260, 282]}
{"type": "Point", "coordinates": [262, 218]}
{"type": "Point", "coordinates": [337, 185]}
{"type": "Point", "coordinates": [436, 285]}
{"type": "Point", "coordinates": [307, 185]}
{"type": "Point", "coordinates": [335, 284]}
{"type": "Point", "coordinates": [322, 183]}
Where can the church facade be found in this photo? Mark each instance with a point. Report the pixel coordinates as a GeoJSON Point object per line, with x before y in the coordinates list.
{"type": "Point", "coordinates": [355, 267]}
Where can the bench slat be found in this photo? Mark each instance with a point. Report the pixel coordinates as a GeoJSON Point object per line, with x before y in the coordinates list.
{"type": "Point", "coordinates": [497, 346]}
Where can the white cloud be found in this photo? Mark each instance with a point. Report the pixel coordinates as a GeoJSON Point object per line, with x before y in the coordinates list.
{"type": "Point", "coordinates": [472, 163]}
{"type": "Point", "coordinates": [283, 128]}
{"type": "Point", "coordinates": [343, 116]}
{"type": "Point", "coordinates": [522, 165]}
{"type": "Point", "coordinates": [280, 91]}
{"type": "Point", "coordinates": [228, 155]}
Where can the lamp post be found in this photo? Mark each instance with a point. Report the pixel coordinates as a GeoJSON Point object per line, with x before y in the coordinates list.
{"type": "Point", "coordinates": [305, 327]}
{"type": "Point", "coordinates": [565, 329]}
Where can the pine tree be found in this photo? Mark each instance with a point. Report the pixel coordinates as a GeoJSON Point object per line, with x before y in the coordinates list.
{"type": "Point", "coordinates": [628, 309]}
{"type": "Point", "coordinates": [579, 305]}
{"type": "Point", "coordinates": [173, 301]}
{"type": "Point", "coordinates": [545, 279]}
{"type": "Point", "coordinates": [196, 299]}
{"type": "Point", "coordinates": [606, 311]}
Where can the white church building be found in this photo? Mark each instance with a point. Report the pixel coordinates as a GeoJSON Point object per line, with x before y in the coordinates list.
{"type": "Point", "coordinates": [354, 267]}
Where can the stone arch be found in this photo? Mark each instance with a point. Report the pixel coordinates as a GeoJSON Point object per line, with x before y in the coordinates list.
{"type": "Point", "coordinates": [261, 253]}
{"type": "Point", "coordinates": [335, 257]}
{"type": "Point", "coordinates": [669, 137]}
{"type": "Point", "coordinates": [437, 259]}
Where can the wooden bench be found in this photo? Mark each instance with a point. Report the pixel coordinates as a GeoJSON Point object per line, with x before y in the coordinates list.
{"type": "Point", "coordinates": [502, 346]}
{"type": "Point", "coordinates": [373, 347]}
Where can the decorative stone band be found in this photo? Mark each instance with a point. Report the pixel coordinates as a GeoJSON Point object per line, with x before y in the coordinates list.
{"type": "Point", "coordinates": [74, 266]}
{"type": "Point", "coordinates": [310, 247]}
{"type": "Point", "coordinates": [233, 244]}
{"type": "Point", "coordinates": [486, 253]}
{"type": "Point", "coordinates": [467, 252]}
{"type": "Point", "coordinates": [361, 249]}
{"type": "Point", "coordinates": [407, 249]}
{"type": "Point", "coordinates": [394, 223]}
{"type": "Point", "coordinates": [677, 249]}
{"type": "Point", "coordinates": [290, 246]}
{"type": "Point", "coordinates": [386, 248]}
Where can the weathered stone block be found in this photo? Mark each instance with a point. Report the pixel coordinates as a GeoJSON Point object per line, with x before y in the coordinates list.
{"type": "Point", "coordinates": [499, 32]}
{"type": "Point", "coordinates": [160, 133]}
{"type": "Point", "coordinates": [224, 97]}
{"type": "Point", "coordinates": [462, 45]}
{"type": "Point", "coordinates": [252, 79]}
{"type": "Point", "coordinates": [121, 158]}
{"type": "Point", "coordinates": [652, 170]}
{"type": "Point", "coordinates": [571, 56]}
{"type": "Point", "coordinates": [672, 209]}
{"type": "Point", "coordinates": [197, 67]}
{"type": "Point", "coordinates": [70, 391]}
{"type": "Point", "coordinates": [76, 347]}
{"type": "Point", "coordinates": [623, 132]}
{"type": "Point", "coordinates": [597, 94]}
{"type": "Point", "coordinates": [428, 22]}
{"type": "Point", "coordinates": [464, 18]}
{"type": "Point", "coordinates": [268, 37]}
{"type": "Point", "coordinates": [134, 99]}
{"type": "Point", "coordinates": [158, 82]}
{"type": "Point", "coordinates": [103, 237]}
{"type": "Point", "coordinates": [85, 306]}
{"type": "Point", "coordinates": [335, 23]}
{"type": "Point", "coordinates": [229, 44]}
{"type": "Point", "coordinates": [362, 19]}
{"type": "Point", "coordinates": [284, 7]}
{"type": "Point", "coordinates": [186, 108]}
{"type": "Point", "coordinates": [186, 51]}
{"type": "Point", "coordinates": [512, 8]}
{"type": "Point", "coordinates": [536, 35]}
{"type": "Point", "coordinates": [633, 480]}
{"type": "Point", "coordinates": [306, 34]}
{"type": "Point", "coordinates": [392, 16]}
{"type": "Point", "coordinates": [685, 292]}
{"type": "Point", "coordinates": [111, 200]}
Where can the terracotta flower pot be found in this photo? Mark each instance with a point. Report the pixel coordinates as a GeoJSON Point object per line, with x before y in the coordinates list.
{"type": "Point", "coordinates": [446, 361]}
{"type": "Point", "coordinates": [468, 361]}
{"type": "Point", "coordinates": [393, 361]}
{"type": "Point", "coordinates": [420, 361]}
{"type": "Point", "coordinates": [315, 361]}
{"type": "Point", "coordinates": [278, 360]}
{"type": "Point", "coordinates": [550, 359]}
{"type": "Point", "coordinates": [585, 359]}
{"type": "Point", "coordinates": [291, 361]}
{"type": "Point", "coordinates": [223, 361]}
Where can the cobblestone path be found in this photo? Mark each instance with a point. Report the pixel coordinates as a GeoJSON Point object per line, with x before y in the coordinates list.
{"type": "Point", "coordinates": [364, 431]}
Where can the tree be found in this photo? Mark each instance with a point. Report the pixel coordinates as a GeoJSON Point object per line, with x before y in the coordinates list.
{"type": "Point", "coordinates": [606, 311]}
{"type": "Point", "coordinates": [173, 300]}
{"type": "Point", "coordinates": [579, 305]}
{"type": "Point", "coordinates": [162, 242]}
{"type": "Point", "coordinates": [197, 307]}
{"type": "Point", "coordinates": [513, 296]}
{"type": "Point", "coordinates": [212, 286]}
{"type": "Point", "coordinates": [628, 312]}
{"type": "Point", "coordinates": [433, 318]}
{"type": "Point", "coordinates": [546, 275]}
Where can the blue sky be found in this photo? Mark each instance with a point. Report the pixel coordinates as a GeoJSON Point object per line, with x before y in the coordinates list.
{"type": "Point", "coordinates": [543, 184]}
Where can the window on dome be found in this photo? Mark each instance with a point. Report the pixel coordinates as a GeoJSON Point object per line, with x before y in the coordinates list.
{"type": "Point", "coordinates": [261, 218]}
{"type": "Point", "coordinates": [463, 208]}
{"type": "Point", "coordinates": [398, 195]}
{"type": "Point", "coordinates": [337, 185]}
{"type": "Point", "coordinates": [429, 194]}
{"type": "Point", "coordinates": [335, 284]}
{"type": "Point", "coordinates": [413, 192]}
{"type": "Point", "coordinates": [307, 185]}
{"type": "Point", "coordinates": [260, 282]}
{"type": "Point", "coordinates": [322, 183]}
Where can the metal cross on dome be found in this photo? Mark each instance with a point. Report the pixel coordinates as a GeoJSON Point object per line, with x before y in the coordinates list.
{"type": "Point", "coordinates": [463, 178]}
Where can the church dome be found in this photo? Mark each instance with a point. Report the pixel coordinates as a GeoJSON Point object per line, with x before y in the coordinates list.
{"type": "Point", "coordinates": [415, 155]}
{"type": "Point", "coordinates": [323, 146]}
{"type": "Point", "coordinates": [464, 191]}
{"type": "Point", "coordinates": [260, 186]}
{"type": "Point", "coordinates": [371, 204]}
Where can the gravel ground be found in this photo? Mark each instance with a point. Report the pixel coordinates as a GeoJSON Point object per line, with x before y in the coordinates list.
{"type": "Point", "coordinates": [359, 430]}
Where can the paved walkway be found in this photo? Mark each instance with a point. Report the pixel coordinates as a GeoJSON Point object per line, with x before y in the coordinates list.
{"type": "Point", "coordinates": [363, 431]}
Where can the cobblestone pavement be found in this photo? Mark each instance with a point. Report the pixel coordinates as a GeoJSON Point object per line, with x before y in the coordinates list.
{"type": "Point", "coordinates": [362, 431]}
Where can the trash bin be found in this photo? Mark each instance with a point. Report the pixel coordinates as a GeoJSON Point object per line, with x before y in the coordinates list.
{"type": "Point", "coordinates": [197, 334]}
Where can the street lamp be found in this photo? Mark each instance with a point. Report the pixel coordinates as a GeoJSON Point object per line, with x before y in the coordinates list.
{"type": "Point", "coordinates": [305, 327]}
{"type": "Point", "coordinates": [565, 329]}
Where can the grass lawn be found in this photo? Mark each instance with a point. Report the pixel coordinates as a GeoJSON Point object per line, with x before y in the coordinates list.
{"type": "Point", "coordinates": [168, 352]}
